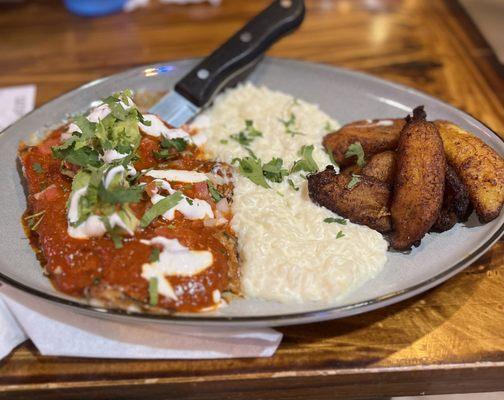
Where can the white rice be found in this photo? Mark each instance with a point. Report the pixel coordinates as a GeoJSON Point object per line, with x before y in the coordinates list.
{"type": "Point", "coordinates": [287, 252]}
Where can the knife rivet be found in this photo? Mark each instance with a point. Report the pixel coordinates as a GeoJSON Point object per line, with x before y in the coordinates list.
{"type": "Point", "coordinates": [286, 3]}
{"type": "Point", "coordinates": [203, 74]}
{"type": "Point", "coordinates": [246, 37]}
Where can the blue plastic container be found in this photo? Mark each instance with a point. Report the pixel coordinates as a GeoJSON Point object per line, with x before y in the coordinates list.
{"type": "Point", "coordinates": [94, 8]}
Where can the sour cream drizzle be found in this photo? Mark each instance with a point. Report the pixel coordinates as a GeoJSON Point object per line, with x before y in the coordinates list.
{"type": "Point", "coordinates": [177, 175]}
{"type": "Point", "coordinates": [174, 260]}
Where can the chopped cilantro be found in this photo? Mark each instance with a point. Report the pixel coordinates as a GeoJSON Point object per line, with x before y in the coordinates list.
{"type": "Point", "coordinates": [341, 221]}
{"type": "Point", "coordinates": [355, 149]}
{"type": "Point", "coordinates": [154, 255]}
{"type": "Point", "coordinates": [273, 170]}
{"type": "Point", "coordinates": [223, 141]}
{"type": "Point", "coordinates": [120, 195]}
{"type": "Point", "coordinates": [189, 201]}
{"type": "Point", "coordinates": [331, 157]}
{"type": "Point", "coordinates": [179, 144]}
{"type": "Point", "coordinates": [340, 235]}
{"type": "Point", "coordinates": [290, 124]}
{"type": "Point", "coordinates": [153, 291]}
{"type": "Point", "coordinates": [216, 196]}
{"type": "Point", "coordinates": [354, 181]}
{"type": "Point", "coordinates": [160, 208]}
{"type": "Point", "coordinates": [306, 163]}
{"type": "Point", "coordinates": [292, 185]}
{"type": "Point", "coordinates": [38, 168]}
{"type": "Point", "coordinates": [251, 168]}
{"type": "Point", "coordinates": [328, 127]}
{"type": "Point", "coordinates": [247, 136]}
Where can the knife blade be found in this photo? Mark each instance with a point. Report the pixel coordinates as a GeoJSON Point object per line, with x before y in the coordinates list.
{"type": "Point", "coordinates": [229, 63]}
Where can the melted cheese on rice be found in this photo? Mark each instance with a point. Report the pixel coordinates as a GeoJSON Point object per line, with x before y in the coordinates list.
{"type": "Point", "coordinates": [288, 253]}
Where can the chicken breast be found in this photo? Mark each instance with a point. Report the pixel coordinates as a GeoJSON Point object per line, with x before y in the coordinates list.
{"type": "Point", "coordinates": [375, 136]}
{"type": "Point", "coordinates": [479, 167]}
{"type": "Point", "coordinates": [381, 166]}
{"type": "Point", "coordinates": [361, 199]}
{"type": "Point", "coordinates": [419, 181]}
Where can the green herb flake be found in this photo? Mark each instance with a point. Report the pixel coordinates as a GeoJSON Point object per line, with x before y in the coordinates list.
{"type": "Point", "coordinates": [160, 208]}
{"type": "Point", "coordinates": [153, 291]}
{"type": "Point", "coordinates": [290, 124]}
{"type": "Point", "coordinates": [154, 255]}
{"type": "Point", "coordinates": [179, 144]}
{"type": "Point", "coordinates": [306, 163]}
{"type": "Point", "coordinates": [355, 149]}
{"type": "Point", "coordinates": [38, 168]}
{"type": "Point", "coordinates": [341, 221]}
{"type": "Point", "coordinates": [328, 127]}
{"type": "Point", "coordinates": [251, 168]}
{"type": "Point", "coordinates": [224, 141]}
{"type": "Point", "coordinates": [340, 235]}
{"type": "Point", "coordinates": [273, 170]}
{"type": "Point", "coordinates": [247, 135]}
{"type": "Point", "coordinates": [354, 181]}
{"type": "Point", "coordinates": [189, 201]}
{"type": "Point", "coordinates": [330, 154]}
{"type": "Point", "coordinates": [216, 196]}
{"type": "Point", "coordinates": [292, 185]}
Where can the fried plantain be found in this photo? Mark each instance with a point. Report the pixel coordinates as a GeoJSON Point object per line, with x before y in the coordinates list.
{"type": "Point", "coordinates": [382, 166]}
{"type": "Point", "coordinates": [456, 204]}
{"type": "Point", "coordinates": [479, 167]}
{"type": "Point", "coordinates": [419, 181]}
{"type": "Point", "coordinates": [375, 136]}
{"type": "Point", "coordinates": [364, 202]}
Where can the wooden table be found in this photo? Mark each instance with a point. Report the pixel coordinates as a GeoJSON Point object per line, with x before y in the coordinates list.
{"type": "Point", "coordinates": [450, 339]}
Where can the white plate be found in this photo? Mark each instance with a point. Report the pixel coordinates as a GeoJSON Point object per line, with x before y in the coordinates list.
{"type": "Point", "coordinates": [344, 95]}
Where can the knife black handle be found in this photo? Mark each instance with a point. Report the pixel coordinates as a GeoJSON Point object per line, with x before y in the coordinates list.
{"type": "Point", "coordinates": [241, 51]}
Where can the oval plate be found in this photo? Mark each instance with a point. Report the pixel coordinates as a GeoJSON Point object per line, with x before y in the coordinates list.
{"type": "Point", "coordinates": [344, 95]}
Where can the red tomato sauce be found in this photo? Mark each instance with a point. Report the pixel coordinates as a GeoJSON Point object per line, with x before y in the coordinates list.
{"type": "Point", "coordinates": [89, 267]}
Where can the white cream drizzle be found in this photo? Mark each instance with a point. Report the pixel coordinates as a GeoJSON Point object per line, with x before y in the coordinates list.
{"type": "Point", "coordinates": [112, 155]}
{"type": "Point", "coordinates": [93, 226]}
{"type": "Point", "coordinates": [192, 209]}
{"type": "Point", "coordinates": [178, 175]}
{"type": "Point", "coordinates": [174, 260]}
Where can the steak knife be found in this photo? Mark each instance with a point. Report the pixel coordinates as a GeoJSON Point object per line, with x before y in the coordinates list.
{"type": "Point", "coordinates": [230, 62]}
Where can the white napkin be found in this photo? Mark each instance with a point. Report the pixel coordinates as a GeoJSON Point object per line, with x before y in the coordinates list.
{"type": "Point", "coordinates": [58, 331]}
{"type": "Point", "coordinates": [15, 101]}
{"type": "Point", "coordinates": [131, 5]}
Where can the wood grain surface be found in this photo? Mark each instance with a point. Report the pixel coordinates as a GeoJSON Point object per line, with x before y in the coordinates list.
{"type": "Point", "coordinates": [448, 340]}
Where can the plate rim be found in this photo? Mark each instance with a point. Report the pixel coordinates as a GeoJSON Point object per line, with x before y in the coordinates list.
{"type": "Point", "coordinates": [322, 314]}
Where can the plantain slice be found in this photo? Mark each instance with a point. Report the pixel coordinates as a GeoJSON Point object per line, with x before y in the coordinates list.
{"type": "Point", "coordinates": [375, 136]}
{"type": "Point", "coordinates": [479, 167]}
{"type": "Point", "coordinates": [382, 166]}
{"type": "Point", "coordinates": [361, 199]}
{"type": "Point", "coordinates": [456, 204]}
{"type": "Point", "coordinates": [419, 181]}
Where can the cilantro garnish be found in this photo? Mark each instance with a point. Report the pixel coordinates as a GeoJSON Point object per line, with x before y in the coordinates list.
{"type": "Point", "coordinates": [273, 170]}
{"type": "Point", "coordinates": [179, 144]}
{"type": "Point", "coordinates": [247, 136]}
{"type": "Point", "coordinates": [189, 201]}
{"type": "Point", "coordinates": [216, 196]}
{"type": "Point", "coordinates": [341, 221]}
{"type": "Point", "coordinates": [340, 235]}
{"type": "Point", "coordinates": [154, 255]}
{"type": "Point", "coordinates": [223, 141]}
{"type": "Point", "coordinates": [37, 168]}
{"type": "Point", "coordinates": [355, 149]}
{"type": "Point", "coordinates": [292, 185]}
{"type": "Point", "coordinates": [331, 157]}
{"type": "Point", "coordinates": [290, 124]}
{"type": "Point", "coordinates": [251, 168]}
{"type": "Point", "coordinates": [153, 291]}
{"type": "Point", "coordinates": [160, 208]}
{"type": "Point", "coordinates": [306, 163]}
{"type": "Point", "coordinates": [354, 181]}
{"type": "Point", "coordinates": [328, 127]}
